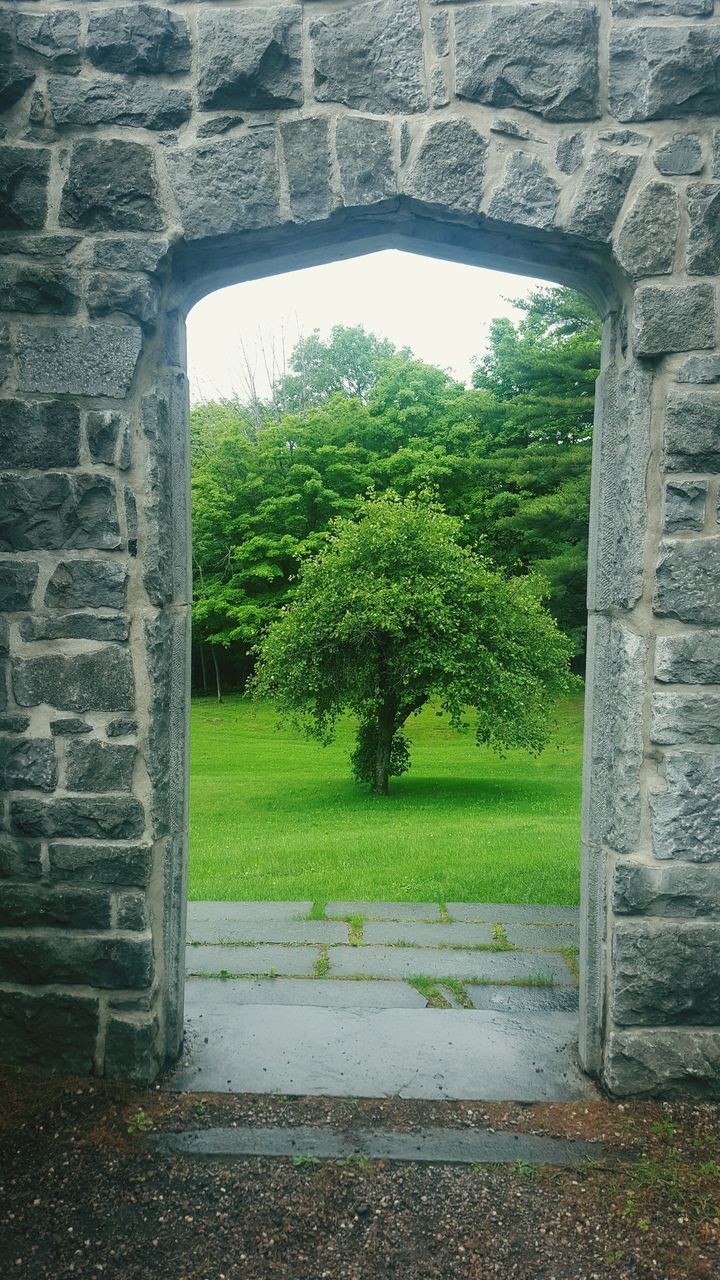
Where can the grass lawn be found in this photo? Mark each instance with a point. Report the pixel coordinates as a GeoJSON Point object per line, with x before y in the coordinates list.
{"type": "Point", "coordinates": [274, 816]}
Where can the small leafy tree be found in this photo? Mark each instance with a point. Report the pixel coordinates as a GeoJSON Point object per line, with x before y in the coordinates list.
{"type": "Point", "coordinates": [394, 610]}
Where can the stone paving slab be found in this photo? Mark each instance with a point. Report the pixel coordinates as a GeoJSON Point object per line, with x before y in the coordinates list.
{"type": "Point", "coordinates": [543, 936]}
{"type": "Point", "coordinates": [198, 911]}
{"type": "Point", "coordinates": [513, 912]}
{"type": "Point", "coordinates": [521, 1000]}
{"type": "Point", "coordinates": [385, 910]}
{"type": "Point", "coordinates": [208, 995]}
{"type": "Point", "coordinates": [252, 960]}
{"type": "Point", "coordinates": [230, 932]}
{"type": "Point", "coordinates": [428, 935]}
{"type": "Point", "coordinates": [377, 1053]}
{"type": "Point", "coordinates": [413, 962]}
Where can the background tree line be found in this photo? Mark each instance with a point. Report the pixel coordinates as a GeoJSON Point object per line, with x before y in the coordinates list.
{"type": "Point", "coordinates": [509, 456]}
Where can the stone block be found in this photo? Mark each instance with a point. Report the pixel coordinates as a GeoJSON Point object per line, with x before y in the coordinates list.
{"type": "Point", "coordinates": [121, 818]}
{"type": "Point", "coordinates": [677, 1063]}
{"type": "Point", "coordinates": [129, 253]}
{"type": "Point", "coordinates": [685, 820]}
{"type": "Point", "coordinates": [100, 679]}
{"type": "Point", "coordinates": [285, 961]}
{"type": "Point", "coordinates": [56, 511]}
{"type": "Point", "coordinates": [649, 956]}
{"type": "Point", "coordinates": [365, 160]}
{"type": "Point", "coordinates": [87, 584]}
{"type": "Point", "coordinates": [14, 724]}
{"type": "Point", "coordinates": [617, 660]}
{"type": "Point", "coordinates": [684, 506]}
{"type": "Point", "coordinates": [132, 911]}
{"type": "Point", "coordinates": [647, 239]}
{"type": "Point", "coordinates": [52, 1032]}
{"type": "Point", "coordinates": [27, 764]}
{"type": "Point", "coordinates": [69, 728]}
{"type": "Point", "coordinates": [676, 890]}
{"type": "Point", "coordinates": [19, 859]}
{"type": "Point", "coordinates": [48, 248]}
{"type": "Point", "coordinates": [39, 434]}
{"type": "Point", "coordinates": [41, 907]}
{"type": "Point", "coordinates": [569, 152]}
{"type": "Point", "coordinates": [685, 717]}
{"type": "Point", "coordinates": [120, 728]}
{"type": "Point", "coordinates": [17, 584]}
{"type": "Point", "coordinates": [97, 766]}
{"type": "Point", "coordinates": [353, 64]}
{"type": "Point", "coordinates": [132, 1048]}
{"type": "Point", "coordinates": [692, 657]}
{"type": "Point", "coordinates": [83, 360]}
{"type": "Point", "coordinates": [82, 103]}
{"type": "Point", "coordinates": [601, 193]}
{"type": "Point", "coordinates": [428, 935]}
{"type": "Point", "coordinates": [449, 168]}
{"type": "Point", "coordinates": [224, 186]}
{"type": "Point", "coordinates": [538, 57]}
{"type": "Point", "coordinates": [674, 318]}
{"type": "Point", "coordinates": [15, 79]}
{"type": "Point", "coordinates": [527, 194]}
{"type": "Point", "coordinates": [662, 8]}
{"type": "Point", "coordinates": [662, 72]}
{"type": "Point", "coordinates": [38, 289]}
{"type": "Point", "coordinates": [54, 37]}
{"type": "Point", "coordinates": [692, 431]}
{"type": "Point", "coordinates": [703, 369]}
{"type": "Point", "coordinates": [138, 39]}
{"type": "Point", "coordinates": [306, 148]}
{"type": "Point", "coordinates": [703, 249]}
{"type": "Point", "coordinates": [436, 962]}
{"type": "Point", "coordinates": [111, 187]}
{"type": "Point", "coordinates": [252, 61]}
{"type": "Point", "coordinates": [74, 626]}
{"type": "Point", "coordinates": [103, 430]}
{"type": "Point", "coordinates": [110, 962]}
{"type": "Point", "coordinates": [100, 864]}
{"type": "Point", "coordinates": [24, 173]}
{"type": "Point", "coordinates": [440, 32]}
{"type": "Point", "coordinates": [165, 570]}
{"type": "Point", "coordinates": [682, 155]}
{"type": "Point", "coordinates": [687, 580]}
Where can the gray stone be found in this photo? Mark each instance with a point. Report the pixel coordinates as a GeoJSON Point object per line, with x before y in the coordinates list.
{"type": "Point", "coordinates": [19, 859]}
{"type": "Point", "coordinates": [624, 137]}
{"type": "Point", "coordinates": [685, 717]}
{"type": "Point", "coordinates": [225, 186]}
{"type": "Point", "coordinates": [41, 907]}
{"type": "Point", "coordinates": [682, 155]}
{"type": "Point", "coordinates": [132, 911]}
{"type": "Point", "coordinates": [569, 152]}
{"type": "Point", "coordinates": [14, 724]}
{"type": "Point", "coordinates": [663, 1064]}
{"type": "Point", "coordinates": [251, 62]}
{"type": "Point", "coordinates": [521, 1001]}
{"type": "Point", "coordinates": [601, 193]}
{"type": "Point", "coordinates": [120, 728]}
{"type": "Point", "coordinates": [684, 508]}
{"type": "Point", "coordinates": [165, 570]}
{"type": "Point", "coordinates": [685, 821]}
{"type": "Point", "coordinates": [692, 657]}
{"type": "Point", "coordinates": [676, 891]}
{"type": "Point", "coordinates": [54, 37]}
{"type": "Point", "coordinates": [39, 434]}
{"type": "Point", "coordinates": [439, 94]}
{"type": "Point", "coordinates": [692, 431]}
{"type": "Point", "coordinates": [647, 239]}
{"type": "Point", "coordinates": [6, 355]}
{"type": "Point", "coordinates": [129, 253]}
{"type": "Point", "coordinates": [24, 173]}
{"type": "Point", "coordinates": [82, 103]}
{"type": "Point", "coordinates": [527, 194]}
{"type": "Point", "coordinates": [648, 957]}
{"type": "Point", "coordinates": [450, 167]}
{"type": "Point", "coordinates": [15, 80]}
{"type": "Point", "coordinates": [110, 962]}
{"type": "Point", "coordinates": [100, 864]}
{"type": "Point", "coordinates": [216, 125]}
{"type": "Point", "coordinates": [38, 289]}
{"type": "Point", "coordinates": [306, 147]}
{"type": "Point", "coordinates": [97, 766]}
{"type": "Point", "coordinates": [513, 912]}
{"type": "Point", "coordinates": [543, 937]}
{"type": "Point", "coordinates": [17, 584]}
{"type": "Point", "coordinates": [344, 909]}
{"type": "Point", "coordinates": [416, 962]}
{"type": "Point", "coordinates": [716, 154]}
{"type": "Point", "coordinates": [365, 160]}
{"type": "Point", "coordinates": [103, 428]}
{"type": "Point", "coordinates": [87, 584]}
{"type": "Point", "coordinates": [121, 818]}
{"type": "Point", "coordinates": [138, 39]}
{"type": "Point", "coordinates": [27, 764]}
{"type": "Point", "coordinates": [673, 318]}
{"type": "Point", "coordinates": [205, 994]}
{"type": "Point", "coordinates": [687, 582]}
{"type": "Point", "coordinates": [538, 57]}
{"type": "Point", "coordinates": [662, 8]}
{"type": "Point", "coordinates": [100, 679]}
{"type": "Point", "coordinates": [259, 960]}
{"type": "Point", "coordinates": [52, 248]}
{"type": "Point", "coordinates": [83, 360]}
{"type": "Point", "coordinates": [57, 511]}
{"type": "Point", "coordinates": [132, 1048]}
{"type": "Point", "coordinates": [74, 626]}
{"type": "Point", "coordinates": [54, 1032]}
{"type": "Point", "coordinates": [662, 72]}
{"type": "Point", "coordinates": [617, 662]}
{"type": "Point", "coordinates": [700, 369]}
{"type": "Point", "coordinates": [428, 935]}
{"type": "Point", "coordinates": [353, 65]}
{"type": "Point", "coordinates": [234, 930]}
{"type": "Point", "coordinates": [211, 918]}
{"type": "Point", "coordinates": [111, 187]}
{"type": "Point", "coordinates": [69, 728]}
{"type": "Point", "coordinates": [132, 293]}
{"type": "Point", "coordinates": [703, 249]}
{"type": "Point", "coordinates": [165, 640]}
{"type": "Point", "coordinates": [439, 30]}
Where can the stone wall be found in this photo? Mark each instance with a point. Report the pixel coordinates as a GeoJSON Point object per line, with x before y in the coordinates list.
{"type": "Point", "coordinates": [152, 151]}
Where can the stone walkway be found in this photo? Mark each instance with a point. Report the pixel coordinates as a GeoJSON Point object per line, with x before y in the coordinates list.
{"type": "Point", "coordinates": [461, 1000]}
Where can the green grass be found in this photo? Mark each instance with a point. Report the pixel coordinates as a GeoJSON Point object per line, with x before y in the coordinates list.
{"type": "Point", "coordinates": [275, 816]}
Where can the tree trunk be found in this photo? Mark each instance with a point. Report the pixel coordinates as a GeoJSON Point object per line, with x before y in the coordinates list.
{"type": "Point", "coordinates": [385, 734]}
{"type": "Point", "coordinates": [217, 673]}
{"type": "Point", "coordinates": [203, 669]}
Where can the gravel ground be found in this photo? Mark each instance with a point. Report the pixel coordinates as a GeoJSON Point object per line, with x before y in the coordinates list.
{"type": "Point", "coordinates": [83, 1194]}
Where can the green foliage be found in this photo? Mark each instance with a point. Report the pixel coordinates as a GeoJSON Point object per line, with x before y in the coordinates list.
{"type": "Point", "coordinates": [348, 362]}
{"type": "Point", "coordinates": [395, 610]}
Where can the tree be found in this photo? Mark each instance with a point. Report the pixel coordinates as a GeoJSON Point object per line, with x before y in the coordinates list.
{"type": "Point", "coordinates": [395, 610]}
{"type": "Point", "coordinates": [348, 362]}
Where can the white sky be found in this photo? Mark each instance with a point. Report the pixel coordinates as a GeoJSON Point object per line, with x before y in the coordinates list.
{"type": "Point", "coordinates": [440, 309]}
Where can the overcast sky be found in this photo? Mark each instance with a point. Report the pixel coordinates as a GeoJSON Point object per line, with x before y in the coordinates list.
{"type": "Point", "coordinates": [440, 309]}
